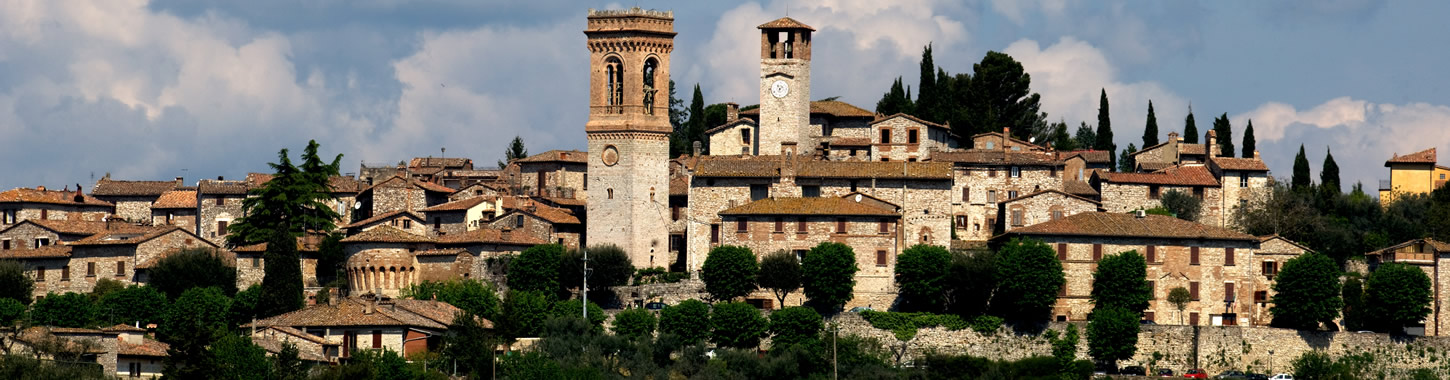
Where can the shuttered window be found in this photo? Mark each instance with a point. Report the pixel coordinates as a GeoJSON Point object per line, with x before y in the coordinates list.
{"type": "Point", "coordinates": [800, 226]}
{"type": "Point", "coordinates": [840, 225]}
{"type": "Point", "coordinates": [1193, 256]}
{"type": "Point", "coordinates": [1228, 256]}
{"type": "Point", "coordinates": [779, 225]}
{"type": "Point", "coordinates": [1097, 252]}
{"type": "Point", "coordinates": [1062, 251]}
{"type": "Point", "coordinates": [740, 225]}
{"type": "Point", "coordinates": [880, 258]}
{"type": "Point", "coordinates": [1228, 292]}
{"type": "Point", "coordinates": [715, 234]}
{"type": "Point", "coordinates": [1152, 253]}
{"type": "Point", "coordinates": [1193, 290]}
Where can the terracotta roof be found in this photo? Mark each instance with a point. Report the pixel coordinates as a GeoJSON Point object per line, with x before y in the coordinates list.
{"type": "Point", "coordinates": [35, 334]}
{"type": "Point", "coordinates": [1242, 164]}
{"type": "Point", "coordinates": [785, 23]}
{"type": "Point", "coordinates": [826, 107]}
{"type": "Point", "coordinates": [176, 199]}
{"type": "Point", "coordinates": [401, 182]}
{"type": "Point", "coordinates": [474, 173]}
{"type": "Point", "coordinates": [996, 157]}
{"type": "Point", "coordinates": [489, 236]}
{"type": "Point", "coordinates": [1091, 156]}
{"type": "Point", "coordinates": [147, 347]}
{"type": "Point", "coordinates": [438, 162]}
{"type": "Point", "coordinates": [121, 327]}
{"type": "Point", "coordinates": [59, 197]}
{"type": "Point", "coordinates": [53, 251]}
{"type": "Point", "coordinates": [808, 206]}
{"type": "Point", "coordinates": [769, 167]}
{"type": "Point", "coordinates": [386, 234]}
{"type": "Point", "coordinates": [222, 187]}
{"type": "Point", "coordinates": [107, 186]}
{"type": "Point", "coordinates": [1194, 149]}
{"type": "Point", "coordinates": [552, 214]}
{"type": "Point", "coordinates": [1196, 175]}
{"type": "Point", "coordinates": [915, 119]}
{"type": "Point", "coordinates": [1128, 226]}
{"type": "Point", "coordinates": [1426, 156]}
{"type": "Point", "coordinates": [1079, 188]}
{"type": "Point", "coordinates": [1041, 192]}
{"type": "Point", "coordinates": [440, 252]}
{"type": "Point", "coordinates": [73, 227]}
{"type": "Point", "coordinates": [459, 205]}
{"type": "Point", "coordinates": [1150, 148]}
{"type": "Point", "coordinates": [851, 141]}
{"type": "Point", "coordinates": [382, 217]}
{"type": "Point", "coordinates": [1154, 166]}
{"type": "Point", "coordinates": [558, 201]}
{"type": "Point", "coordinates": [353, 312]}
{"type": "Point", "coordinates": [999, 135]}
{"type": "Point", "coordinates": [132, 236]}
{"type": "Point", "coordinates": [569, 156]}
{"type": "Point", "coordinates": [274, 346]}
{"type": "Point", "coordinates": [680, 185]}
{"type": "Point", "coordinates": [721, 127]}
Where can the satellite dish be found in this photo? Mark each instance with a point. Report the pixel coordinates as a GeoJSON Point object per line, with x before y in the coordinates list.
{"type": "Point", "coordinates": [1032, 139]}
{"type": "Point", "coordinates": [858, 197]}
{"type": "Point", "coordinates": [357, 206]}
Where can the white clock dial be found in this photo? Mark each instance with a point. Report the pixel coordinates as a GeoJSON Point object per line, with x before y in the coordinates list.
{"type": "Point", "coordinates": [779, 89]}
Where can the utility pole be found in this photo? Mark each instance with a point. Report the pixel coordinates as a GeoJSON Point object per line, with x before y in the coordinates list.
{"type": "Point", "coordinates": [584, 290]}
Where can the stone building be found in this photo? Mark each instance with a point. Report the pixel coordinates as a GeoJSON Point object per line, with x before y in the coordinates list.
{"type": "Point", "coordinates": [836, 129]}
{"type": "Point", "coordinates": [903, 137]}
{"type": "Point", "coordinates": [1219, 267]}
{"type": "Point", "coordinates": [133, 199]}
{"type": "Point", "coordinates": [1124, 192]}
{"type": "Point", "coordinates": [983, 179]}
{"type": "Point", "coordinates": [1042, 206]}
{"type": "Point", "coordinates": [1433, 257]}
{"type": "Point", "coordinates": [542, 223]}
{"type": "Point", "coordinates": [785, 88]}
{"type": "Point", "coordinates": [122, 254]}
{"type": "Point", "coordinates": [25, 203]}
{"type": "Point", "coordinates": [554, 174]}
{"type": "Point", "coordinates": [738, 136]}
{"type": "Point", "coordinates": [478, 189]}
{"type": "Point", "coordinates": [385, 260]}
{"type": "Point", "coordinates": [175, 208]}
{"type": "Point", "coordinates": [407, 221]}
{"type": "Point", "coordinates": [405, 326]}
{"type": "Point", "coordinates": [463, 215]}
{"type": "Point", "coordinates": [1003, 141]}
{"type": "Point", "coordinates": [1245, 182]}
{"type": "Point", "coordinates": [1172, 151]}
{"type": "Point", "coordinates": [1273, 251]}
{"type": "Point", "coordinates": [1414, 173]}
{"type": "Point", "coordinates": [251, 263]}
{"type": "Point", "coordinates": [39, 233]}
{"type": "Point", "coordinates": [398, 194]}
{"type": "Point", "coordinates": [219, 203]}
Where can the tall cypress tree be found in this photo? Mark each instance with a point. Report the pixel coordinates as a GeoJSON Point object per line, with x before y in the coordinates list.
{"type": "Point", "coordinates": [695, 127]}
{"type": "Point", "coordinates": [1329, 175]}
{"type": "Point", "coordinates": [926, 91]}
{"type": "Point", "coordinates": [1150, 131]}
{"type": "Point", "coordinates": [896, 100]}
{"type": "Point", "coordinates": [1301, 180]}
{"type": "Point", "coordinates": [1190, 129]}
{"type": "Point", "coordinates": [1250, 145]}
{"type": "Point", "coordinates": [1105, 130]}
{"type": "Point", "coordinates": [1225, 134]}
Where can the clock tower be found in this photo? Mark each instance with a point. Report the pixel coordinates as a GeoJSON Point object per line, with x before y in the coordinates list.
{"type": "Point", "coordinates": [628, 132]}
{"type": "Point", "coordinates": [785, 87]}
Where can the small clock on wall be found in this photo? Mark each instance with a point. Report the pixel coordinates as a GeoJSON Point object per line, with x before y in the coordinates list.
{"type": "Point", "coordinates": [779, 89]}
{"type": "Point", "coordinates": [610, 156]}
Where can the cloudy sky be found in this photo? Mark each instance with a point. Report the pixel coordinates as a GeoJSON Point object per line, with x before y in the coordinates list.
{"type": "Point", "coordinates": [203, 88]}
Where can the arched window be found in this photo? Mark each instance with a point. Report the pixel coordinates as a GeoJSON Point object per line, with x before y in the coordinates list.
{"type": "Point", "coordinates": [614, 83]}
{"type": "Point", "coordinates": [650, 66]}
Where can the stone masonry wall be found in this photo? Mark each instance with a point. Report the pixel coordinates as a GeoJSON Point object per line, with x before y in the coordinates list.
{"type": "Point", "coordinates": [1124, 197]}
{"type": "Point", "coordinates": [986, 186]}
{"type": "Point", "coordinates": [1039, 209]}
{"type": "Point", "coordinates": [874, 283]}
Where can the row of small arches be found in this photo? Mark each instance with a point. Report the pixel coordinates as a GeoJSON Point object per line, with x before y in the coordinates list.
{"type": "Point", "coordinates": [368, 278]}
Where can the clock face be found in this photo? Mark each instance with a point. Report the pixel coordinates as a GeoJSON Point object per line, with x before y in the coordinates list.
{"type": "Point", "coordinates": [610, 156]}
{"type": "Point", "coordinates": [779, 89]}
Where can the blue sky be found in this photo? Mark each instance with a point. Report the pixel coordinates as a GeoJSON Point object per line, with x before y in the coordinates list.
{"type": "Point", "coordinates": [165, 88]}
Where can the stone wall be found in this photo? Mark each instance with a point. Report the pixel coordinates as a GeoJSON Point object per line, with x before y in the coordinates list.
{"type": "Point", "coordinates": [183, 217]}
{"type": "Point", "coordinates": [735, 140]}
{"type": "Point", "coordinates": [215, 208]}
{"type": "Point", "coordinates": [874, 283]}
{"type": "Point", "coordinates": [23, 237]}
{"type": "Point", "coordinates": [629, 201]}
{"type": "Point", "coordinates": [977, 190]}
{"type": "Point", "coordinates": [133, 208]}
{"type": "Point", "coordinates": [1124, 197]}
{"type": "Point", "coordinates": [1038, 209]}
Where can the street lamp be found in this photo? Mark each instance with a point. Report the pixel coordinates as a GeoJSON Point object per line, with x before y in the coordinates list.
{"type": "Point", "coordinates": [584, 290]}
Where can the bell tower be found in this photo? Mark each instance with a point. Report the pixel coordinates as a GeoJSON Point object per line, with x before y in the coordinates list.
{"type": "Point", "coordinates": [785, 86]}
{"type": "Point", "coordinates": [628, 132]}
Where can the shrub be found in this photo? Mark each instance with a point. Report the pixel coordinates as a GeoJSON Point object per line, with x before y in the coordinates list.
{"type": "Point", "coordinates": [475, 296]}
{"type": "Point", "coordinates": [793, 325]}
{"type": "Point", "coordinates": [635, 323]}
{"type": "Point", "coordinates": [690, 320]}
{"type": "Point", "coordinates": [523, 314]}
{"type": "Point", "coordinates": [986, 324]}
{"type": "Point", "coordinates": [10, 311]}
{"type": "Point", "coordinates": [781, 273]}
{"type": "Point", "coordinates": [738, 325]}
{"type": "Point", "coordinates": [574, 309]}
{"type": "Point", "coordinates": [64, 310]}
{"type": "Point", "coordinates": [14, 283]}
{"type": "Point", "coordinates": [193, 268]}
{"type": "Point", "coordinates": [135, 303]}
{"type": "Point", "coordinates": [658, 275]}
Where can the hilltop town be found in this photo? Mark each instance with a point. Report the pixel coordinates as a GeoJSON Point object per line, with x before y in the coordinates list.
{"type": "Point", "coordinates": [792, 177]}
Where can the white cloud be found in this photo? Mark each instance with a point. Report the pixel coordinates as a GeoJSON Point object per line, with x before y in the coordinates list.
{"type": "Point", "coordinates": [1362, 134]}
{"type": "Point", "coordinates": [1273, 117]}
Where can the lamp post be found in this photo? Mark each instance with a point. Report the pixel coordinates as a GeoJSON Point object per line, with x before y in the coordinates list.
{"type": "Point", "coordinates": [1271, 360]}
{"type": "Point", "coordinates": [584, 290]}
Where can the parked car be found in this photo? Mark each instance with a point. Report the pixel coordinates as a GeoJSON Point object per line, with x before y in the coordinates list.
{"type": "Point", "coordinates": [1282, 376]}
{"type": "Point", "coordinates": [1146, 322]}
{"type": "Point", "coordinates": [1133, 370]}
{"type": "Point", "coordinates": [654, 306]}
{"type": "Point", "coordinates": [1256, 376]}
{"type": "Point", "coordinates": [1196, 373]}
{"type": "Point", "coordinates": [1231, 375]}
{"type": "Point", "coordinates": [1165, 372]}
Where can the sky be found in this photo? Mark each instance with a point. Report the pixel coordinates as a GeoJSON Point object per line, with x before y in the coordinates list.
{"type": "Point", "coordinates": [204, 88]}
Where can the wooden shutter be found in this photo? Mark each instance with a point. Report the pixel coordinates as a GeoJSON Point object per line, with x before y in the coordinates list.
{"type": "Point", "coordinates": [1062, 251]}
{"type": "Point", "coordinates": [966, 194]}
{"type": "Point", "coordinates": [1152, 290]}
{"type": "Point", "coordinates": [120, 268]}
{"type": "Point", "coordinates": [1228, 256]}
{"type": "Point", "coordinates": [1193, 256]}
{"type": "Point", "coordinates": [880, 258]}
{"type": "Point", "coordinates": [883, 227]}
{"type": "Point", "coordinates": [1193, 319]}
{"type": "Point", "coordinates": [1097, 252]}
{"type": "Point", "coordinates": [1152, 254]}
{"type": "Point", "coordinates": [800, 226]}
{"type": "Point", "coordinates": [740, 225]}
{"type": "Point", "coordinates": [715, 233]}
{"type": "Point", "coordinates": [779, 224]}
{"type": "Point", "coordinates": [378, 334]}
{"type": "Point", "coordinates": [840, 225]}
{"type": "Point", "coordinates": [1193, 290]}
{"type": "Point", "coordinates": [1228, 292]}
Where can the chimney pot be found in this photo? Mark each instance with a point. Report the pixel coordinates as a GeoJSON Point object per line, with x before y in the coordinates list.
{"type": "Point", "coordinates": [732, 112]}
{"type": "Point", "coordinates": [178, 179]}
{"type": "Point", "coordinates": [697, 146]}
{"type": "Point", "coordinates": [220, 178]}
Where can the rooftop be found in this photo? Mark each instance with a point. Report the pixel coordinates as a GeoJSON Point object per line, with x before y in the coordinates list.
{"type": "Point", "coordinates": [176, 199]}
{"type": "Point", "coordinates": [109, 187]}
{"type": "Point", "coordinates": [566, 156]}
{"type": "Point", "coordinates": [826, 107]}
{"type": "Point", "coordinates": [1426, 156]}
{"type": "Point", "coordinates": [386, 234]}
{"type": "Point", "coordinates": [770, 167]}
{"type": "Point", "coordinates": [59, 197]}
{"type": "Point", "coordinates": [355, 312]}
{"type": "Point", "coordinates": [1127, 225]}
{"type": "Point", "coordinates": [1194, 175]}
{"type": "Point", "coordinates": [785, 23]}
{"type": "Point", "coordinates": [821, 206]}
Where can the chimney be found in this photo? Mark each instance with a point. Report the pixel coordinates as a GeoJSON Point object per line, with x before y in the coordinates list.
{"type": "Point", "coordinates": [497, 207]}
{"type": "Point", "coordinates": [220, 178]}
{"type": "Point", "coordinates": [40, 188]}
{"type": "Point", "coordinates": [696, 148]}
{"type": "Point", "coordinates": [1212, 139]}
{"type": "Point", "coordinates": [1006, 135]}
{"type": "Point", "coordinates": [1172, 136]}
{"type": "Point", "coordinates": [732, 112]}
{"type": "Point", "coordinates": [178, 181]}
{"type": "Point", "coordinates": [1256, 154]}
{"type": "Point", "coordinates": [371, 305]}
{"type": "Point", "coordinates": [506, 234]}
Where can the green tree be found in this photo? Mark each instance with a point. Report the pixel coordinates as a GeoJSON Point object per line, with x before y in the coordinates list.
{"type": "Point", "coordinates": [1084, 137]}
{"type": "Point", "coordinates": [523, 314]}
{"type": "Point", "coordinates": [1112, 334]}
{"type": "Point", "coordinates": [1121, 281]}
{"type": "Point", "coordinates": [14, 283]}
{"type": "Point", "coordinates": [1250, 144]}
{"type": "Point", "coordinates": [1105, 130]}
{"type": "Point", "coordinates": [729, 272]}
{"type": "Point", "coordinates": [999, 93]}
{"type": "Point", "coordinates": [1060, 139]}
{"type": "Point", "coordinates": [1397, 295]}
{"type": "Point", "coordinates": [247, 305]}
{"type": "Point", "coordinates": [695, 126]}
{"type": "Point", "coordinates": [635, 323]}
{"type": "Point", "coordinates": [894, 101]}
{"type": "Point", "coordinates": [1150, 129]}
{"type": "Point", "coordinates": [466, 341]}
{"type": "Point", "coordinates": [234, 356]}
{"type": "Point", "coordinates": [1126, 163]}
{"type": "Point", "coordinates": [1225, 135]}
{"type": "Point", "coordinates": [1029, 276]}
{"type": "Point", "coordinates": [330, 260]}
{"type": "Point", "coordinates": [921, 276]}
{"type": "Point", "coordinates": [609, 267]}
{"type": "Point", "coordinates": [689, 320]}
{"type": "Point", "coordinates": [828, 274]}
{"type": "Point", "coordinates": [1307, 290]}
{"type": "Point", "coordinates": [64, 310]}
{"type": "Point", "coordinates": [1180, 298]}
{"type": "Point", "coordinates": [515, 150]}
{"type": "Point", "coordinates": [1301, 171]}
{"type": "Point", "coordinates": [1354, 313]}
{"type": "Point", "coordinates": [1190, 128]}
{"type": "Point", "coordinates": [1064, 348]}
{"type": "Point", "coordinates": [281, 290]}
{"type": "Point", "coordinates": [476, 297]}
{"type": "Point", "coordinates": [1182, 205]}
{"type": "Point", "coordinates": [191, 324]}
{"type": "Point", "coordinates": [536, 269]}
{"type": "Point", "coordinates": [794, 325]}
{"type": "Point", "coordinates": [192, 268]}
{"type": "Point", "coordinates": [738, 325]}
{"type": "Point", "coordinates": [105, 286]}
{"type": "Point", "coordinates": [781, 273]}
{"type": "Point", "coordinates": [574, 308]}
{"type": "Point", "coordinates": [972, 282]}
{"type": "Point", "coordinates": [679, 116]}
{"type": "Point", "coordinates": [11, 310]}
{"type": "Point", "coordinates": [287, 363]}
{"type": "Point", "coordinates": [135, 304]}
{"type": "Point", "coordinates": [1329, 176]}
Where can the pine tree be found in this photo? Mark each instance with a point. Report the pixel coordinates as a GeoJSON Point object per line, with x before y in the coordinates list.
{"type": "Point", "coordinates": [1250, 145]}
{"type": "Point", "coordinates": [1150, 131]}
{"type": "Point", "coordinates": [1125, 160]}
{"type": "Point", "coordinates": [514, 151]}
{"type": "Point", "coordinates": [1061, 140]}
{"type": "Point", "coordinates": [678, 117]}
{"type": "Point", "coordinates": [896, 100]}
{"type": "Point", "coordinates": [1105, 130]}
{"type": "Point", "coordinates": [1190, 129]}
{"type": "Point", "coordinates": [1225, 135]}
{"type": "Point", "coordinates": [1084, 136]}
{"type": "Point", "coordinates": [1301, 180]}
{"type": "Point", "coordinates": [1329, 175]}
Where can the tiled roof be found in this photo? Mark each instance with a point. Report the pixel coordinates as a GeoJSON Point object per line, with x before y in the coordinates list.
{"type": "Point", "coordinates": [808, 206]}
{"type": "Point", "coordinates": [569, 156]}
{"type": "Point", "coordinates": [382, 217]}
{"type": "Point", "coordinates": [53, 251]}
{"type": "Point", "coordinates": [721, 127]}
{"type": "Point", "coordinates": [401, 182]}
{"type": "Point", "coordinates": [147, 347]}
{"type": "Point", "coordinates": [785, 23]}
{"type": "Point", "coordinates": [1426, 156]}
{"type": "Point", "coordinates": [37, 334]}
{"type": "Point", "coordinates": [440, 252]}
{"type": "Point", "coordinates": [998, 135]}
{"type": "Point", "coordinates": [438, 162]}
{"type": "Point", "coordinates": [1196, 175]}
{"type": "Point", "coordinates": [301, 335]}
{"type": "Point", "coordinates": [489, 236]}
{"type": "Point", "coordinates": [223, 187]}
{"type": "Point", "coordinates": [1041, 192]}
{"type": "Point", "coordinates": [386, 234]}
{"type": "Point", "coordinates": [1129, 226]}
{"type": "Point", "coordinates": [133, 236]}
{"type": "Point", "coordinates": [912, 118]}
{"type": "Point", "coordinates": [769, 167]}
{"type": "Point", "coordinates": [1154, 166]}
{"type": "Point", "coordinates": [552, 214]}
{"type": "Point", "coordinates": [1150, 148]}
{"type": "Point", "coordinates": [1091, 156]}
{"type": "Point", "coordinates": [1242, 164]}
{"type": "Point", "coordinates": [107, 186]}
{"type": "Point", "coordinates": [680, 185]}
{"type": "Point", "coordinates": [338, 184]}
{"type": "Point", "coordinates": [274, 346]}
{"type": "Point", "coordinates": [826, 107]}
{"type": "Point", "coordinates": [353, 312]}
{"type": "Point", "coordinates": [1194, 149]}
{"type": "Point", "coordinates": [475, 173]}
{"type": "Point", "coordinates": [73, 227]}
{"type": "Point", "coordinates": [1437, 245]}
{"type": "Point", "coordinates": [176, 199]}
{"type": "Point", "coordinates": [459, 205]}
{"type": "Point", "coordinates": [851, 141]}
{"type": "Point", "coordinates": [996, 157]}
{"type": "Point", "coordinates": [559, 201]}
{"type": "Point", "coordinates": [1079, 188]}
{"type": "Point", "coordinates": [41, 195]}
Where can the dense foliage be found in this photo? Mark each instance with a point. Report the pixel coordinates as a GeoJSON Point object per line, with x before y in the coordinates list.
{"type": "Point", "coordinates": [609, 266]}
{"type": "Point", "coordinates": [781, 273]}
{"type": "Point", "coordinates": [1397, 295]}
{"type": "Point", "coordinates": [191, 324]}
{"type": "Point", "coordinates": [473, 296]}
{"type": "Point", "coordinates": [133, 305]}
{"type": "Point", "coordinates": [64, 310]}
{"type": "Point", "coordinates": [1112, 334]}
{"type": "Point", "coordinates": [793, 325]}
{"type": "Point", "coordinates": [997, 92]}
{"type": "Point", "coordinates": [737, 325]}
{"type": "Point", "coordinates": [828, 274]}
{"type": "Point", "coordinates": [536, 269]}
{"type": "Point", "coordinates": [1182, 205]}
{"type": "Point", "coordinates": [1029, 277]}
{"type": "Point", "coordinates": [729, 272]}
{"type": "Point", "coordinates": [523, 314]}
{"type": "Point", "coordinates": [1121, 281]}
{"type": "Point", "coordinates": [921, 274]}
{"type": "Point", "coordinates": [192, 268]}
{"type": "Point", "coordinates": [689, 320]}
{"type": "Point", "coordinates": [14, 283]}
{"type": "Point", "coordinates": [635, 323]}
{"type": "Point", "coordinates": [1307, 292]}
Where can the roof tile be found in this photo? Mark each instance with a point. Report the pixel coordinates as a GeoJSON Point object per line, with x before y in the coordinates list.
{"type": "Point", "coordinates": [1426, 156]}
{"type": "Point", "coordinates": [569, 156]}
{"type": "Point", "coordinates": [176, 199]}
{"type": "Point", "coordinates": [1129, 226]}
{"type": "Point", "coordinates": [1196, 175]}
{"type": "Point", "coordinates": [808, 206]}
{"type": "Point", "coordinates": [59, 197]}
{"type": "Point", "coordinates": [107, 186]}
{"type": "Point", "coordinates": [386, 234]}
{"type": "Point", "coordinates": [490, 236]}
{"type": "Point", "coordinates": [785, 23]}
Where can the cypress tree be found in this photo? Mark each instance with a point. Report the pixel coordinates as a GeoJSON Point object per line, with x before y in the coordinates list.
{"type": "Point", "coordinates": [1190, 129]}
{"type": "Point", "coordinates": [1105, 130]}
{"type": "Point", "coordinates": [1250, 145]}
{"type": "Point", "coordinates": [1225, 134]}
{"type": "Point", "coordinates": [1125, 160]}
{"type": "Point", "coordinates": [926, 91]}
{"type": "Point", "coordinates": [1150, 131]}
{"type": "Point", "coordinates": [1301, 180]}
{"type": "Point", "coordinates": [896, 100]}
{"type": "Point", "coordinates": [1329, 175]}
{"type": "Point", "coordinates": [282, 281]}
{"type": "Point", "coordinates": [695, 127]}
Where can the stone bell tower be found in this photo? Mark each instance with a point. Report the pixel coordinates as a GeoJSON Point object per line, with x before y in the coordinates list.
{"type": "Point", "coordinates": [785, 86]}
{"type": "Point", "coordinates": [628, 131]}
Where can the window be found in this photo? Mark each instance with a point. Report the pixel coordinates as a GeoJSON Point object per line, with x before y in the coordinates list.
{"type": "Point", "coordinates": [221, 227]}
{"type": "Point", "coordinates": [609, 193]}
{"type": "Point", "coordinates": [1228, 256]}
{"type": "Point", "coordinates": [1193, 290]}
{"type": "Point", "coordinates": [41, 242]}
{"type": "Point", "coordinates": [714, 234]}
{"type": "Point", "coordinates": [377, 338]}
{"type": "Point", "coordinates": [1153, 192]}
{"type": "Point", "coordinates": [1056, 214]}
{"type": "Point", "coordinates": [8, 216]}
{"type": "Point", "coordinates": [1193, 256]}
{"type": "Point", "coordinates": [407, 224]}
{"type": "Point", "coordinates": [853, 183]}
{"type": "Point", "coordinates": [134, 369]}
{"type": "Point", "coordinates": [800, 226]}
{"type": "Point", "coordinates": [740, 225]}
{"type": "Point", "coordinates": [518, 221]}
{"type": "Point", "coordinates": [39, 273]}
{"type": "Point", "coordinates": [1244, 179]}
{"type": "Point", "coordinates": [5, 244]}
{"type": "Point", "coordinates": [745, 135]}
{"type": "Point", "coordinates": [1261, 296]}
{"type": "Point", "coordinates": [220, 201]}
{"type": "Point", "coordinates": [120, 268]}
{"type": "Point", "coordinates": [91, 269]}
{"type": "Point", "coordinates": [1011, 194]}
{"type": "Point", "coordinates": [1228, 292]}
{"type": "Point", "coordinates": [911, 136]}
{"type": "Point", "coordinates": [675, 213]}
{"type": "Point", "coordinates": [758, 192]}
{"type": "Point", "coordinates": [1015, 172]}
{"type": "Point", "coordinates": [1148, 315]}
{"type": "Point", "coordinates": [1152, 290]}
{"type": "Point", "coordinates": [885, 136]}
{"type": "Point", "coordinates": [256, 262]}
{"type": "Point", "coordinates": [1152, 253]}
{"type": "Point", "coordinates": [880, 258]}
{"type": "Point", "coordinates": [1270, 269]}
{"type": "Point", "coordinates": [1192, 318]}
{"type": "Point", "coordinates": [1017, 217]}
{"type": "Point", "coordinates": [1052, 171]}
{"type": "Point", "coordinates": [884, 226]}
{"type": "Point", "coordinates": [991, 145]}
{"type": "Point", "coordinates": [840, 225]}
{"type": "Point", "coordinates": [1062, 251]}
{"type": "Point", "coordinates": [992, 172]}
{"type": "Point", "coordinates": [437, 223]}
{"type": "Point", "coordinates": [991, 196]}
{"type": "Point", "coordinates": [811, 191]}
{"type": "Point", "coordinates": [1097, 252]}
{"type": "Point", "coordinates": [1079, 174]}
{"type": "Point", "coordinates": [65, 273]}
{"type": "Point", "coordinates": [44, 214]}
{"type": "Point", "coordinates": [779, 225]}
{"type": "Point", "coordinates": [966, 194]}
{"type": "Point", "coordinates": [961, 221]}
{"type": "Point", "coordinates": [1198, 192]}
